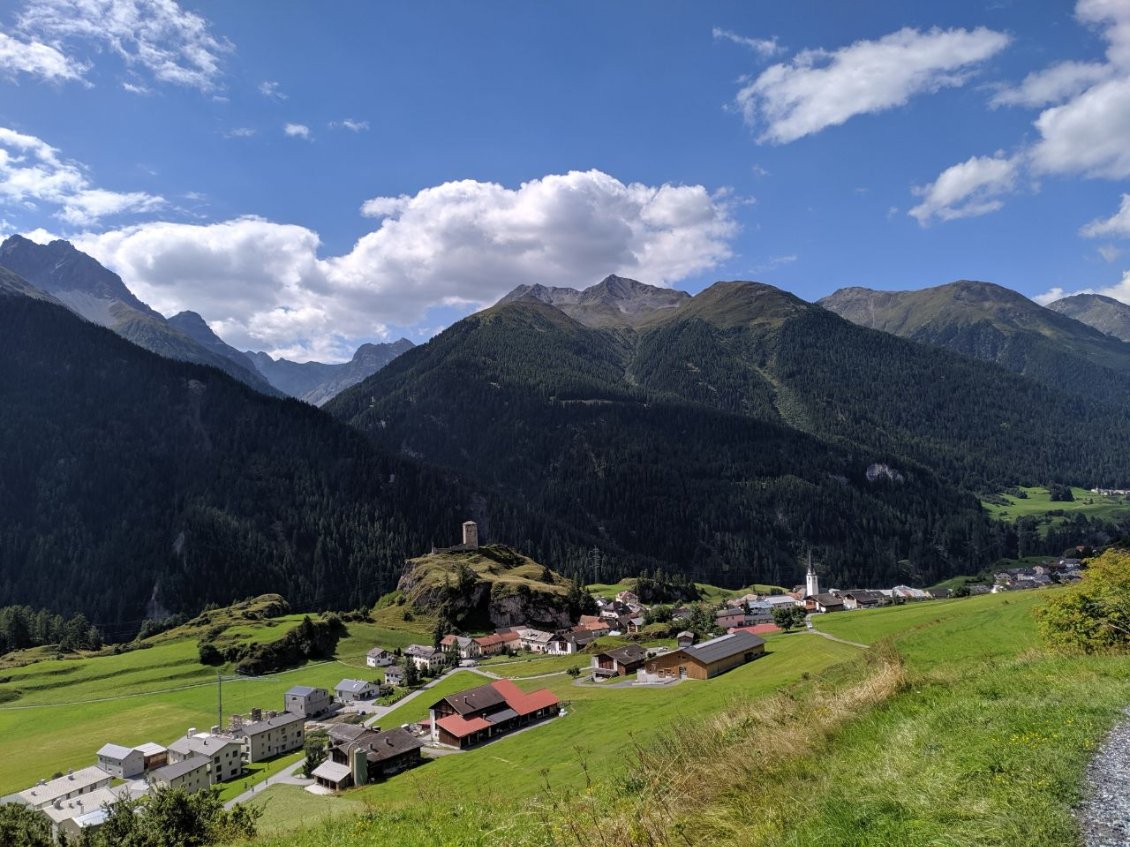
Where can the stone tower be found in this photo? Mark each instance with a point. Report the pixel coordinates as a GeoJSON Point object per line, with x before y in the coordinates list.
{"type": "Point", "coordinates": [470, 535]}
{"type": "Point", "coordinates": [812, 581]}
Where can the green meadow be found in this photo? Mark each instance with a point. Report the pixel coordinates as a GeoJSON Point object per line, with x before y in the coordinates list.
{"type": "Point", "coordinates": [1039, 502]}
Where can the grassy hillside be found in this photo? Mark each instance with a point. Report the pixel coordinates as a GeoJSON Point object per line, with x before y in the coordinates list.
{"type": "Point", "coordinates": [1039, 502]}
{"type": "Point", "coordinates": [956, 728]}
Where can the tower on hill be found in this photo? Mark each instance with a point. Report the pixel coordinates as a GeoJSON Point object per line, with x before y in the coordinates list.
{"type": "Point", "coordinates": [812, 581]}
{"type": "Point", "coordinates": [470, 535]}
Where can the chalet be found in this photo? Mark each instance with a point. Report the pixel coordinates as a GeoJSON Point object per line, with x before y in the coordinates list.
{"type": "Point", "coordinates": [570, 642]}
{"type": "Point", "coordinates": [225, 754]}
{"type": "Point", "coordinates": [685, 638]}
{"type": "Point", "coordinates": [122, 762]}
{"type": "Point", "coordinates": [534, 640]}
{"type": "Point", "coordinates": [153, 755]}
{"type": "Point", "coordinates": [371, 755]}
{"type": "Point", "coordinates": [189, 775]}
{"type": "Point", "coordinates": [940, 593]}
{"type": "Point", "coordinates": [306, 701]}
{"type": "Point", "coordinates": [628, 598]}
{"type": "Point", "coordinates": [705, 660]}
{"type": "Point", "coordinates": [426, 659]}
{"type": "Point", "coordinates": [860, 599]}
{"type": "Point", "coordinates": [619, 661]}
{"type": "Point", "coordinates": [394, 675]}
{"type": "Point", "coordinates": [479, 714]}
{"type": "Point", "coordinates": [823, 603]}
{"type": "Point", "coordinates": [596, 625]}
{"type": "Point", "coordinates": [73, 784]}
{"type": "Point", "coordinates": [339, 733]}
{"type": "Point", "coordinates": [271, 736]}
{"type": "Point", "coordinates": [467, 648]}
{"type": "Point", "coordinates": [351, 690]}
{"type": "Point", "coordinates": [379, 658]}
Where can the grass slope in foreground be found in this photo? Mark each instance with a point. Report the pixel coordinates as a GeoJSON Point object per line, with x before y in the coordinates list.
{"type": "Point", "coordinates": [957, 729]}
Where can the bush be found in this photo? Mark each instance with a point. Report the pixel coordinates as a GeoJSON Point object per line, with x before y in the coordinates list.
{"type": "Point", "coordinates": [1094, 615]}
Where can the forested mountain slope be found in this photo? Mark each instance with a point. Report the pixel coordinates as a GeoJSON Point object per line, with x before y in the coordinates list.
{"type": "Point", "coordinates": [133, 483]}
{"type": "Point", "coordinates": [996, 324]}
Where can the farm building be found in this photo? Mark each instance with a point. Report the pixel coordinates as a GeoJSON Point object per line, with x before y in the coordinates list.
{"type": "Point", "coordinates": [488, 711]}
{"type": "Point", "coordinates": [619, 661]}
{"type": "Point", "coordinates": [383, 753]}
{"type": "Point", "coordinates": [705, 660]}
{"type": "Point", "coordinates": [823, 603]}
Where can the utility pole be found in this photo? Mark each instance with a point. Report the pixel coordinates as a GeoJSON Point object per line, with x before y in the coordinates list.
{"type": "Point", "coordinates": [219, 700]}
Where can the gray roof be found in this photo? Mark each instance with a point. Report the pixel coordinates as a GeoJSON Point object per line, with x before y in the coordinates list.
{"type": "Point", "coordinates": [301, 691]}
{"type": "Point", "coordinates": [724, 646]}
{"type": "Point", "coordinates": [178, 769]}
{"type": "Point", "coordinates": [352, 685]}
{"type": "Point", "coordinates": [114, 751]}
{"type": "Point", "coordinates": [340, 732]}
{"type": "Point", "coordinates": [271, 723]}
{"type": "Point", "coordinates": [332, 771]}
{"type": "Point", "coordinates": [379, 746]}
{"type": "Point", "coordinates": [627, 654]}
{"type": "Point", "coordinates": [209, 745]}
{"type": "Point", "coordinates": [501, 715]}
{"type": "Point", "coordinates": [475, 699]}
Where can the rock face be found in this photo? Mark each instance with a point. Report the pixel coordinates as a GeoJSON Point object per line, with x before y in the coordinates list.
{"type": "Point", "coordinates": [98, 294]}
{"type": "Point", "coordinates": [613, 302]}
{"type": "Point", "coordinates": [486, 587]}
{"type": "Point", "coordinates": [318, 382]}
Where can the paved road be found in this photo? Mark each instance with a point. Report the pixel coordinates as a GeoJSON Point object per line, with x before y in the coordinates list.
{"type": "Point", "coordinates": [287, 776]}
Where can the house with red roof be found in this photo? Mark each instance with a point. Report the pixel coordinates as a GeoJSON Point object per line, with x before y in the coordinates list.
{"type": "Point", "coordinates": [479, 714]}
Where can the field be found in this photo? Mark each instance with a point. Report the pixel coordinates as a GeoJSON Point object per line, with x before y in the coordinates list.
{"type": "Point", "coordinates": [710, 593]}
{"type": "Point", "coordinates": [979, 738]}
{"type": "Point", "coordinates": [1039, 502]}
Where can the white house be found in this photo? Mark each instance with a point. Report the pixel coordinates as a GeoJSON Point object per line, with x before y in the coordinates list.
{"type": "Point", "coordinates": [73, 784]}
{"type": "Point", "coordinates": [378, 658]}
{"type": "Point", "coordinates": [272, 736]}
{"type": "Point", "coordinates": [190, 775]}
{"type": "Point", "coordinates": [122, 762]}
{"type": "Point", "coordinates": [225, 753]}
{"type": "Point", "coordinates": [534, 640]}
{"type": "Point", "coordinates": [351, 690]}
{"type": "Point", "coordinates": [425, 658]}
{"type": "Point", "coordinates": [307, 701]}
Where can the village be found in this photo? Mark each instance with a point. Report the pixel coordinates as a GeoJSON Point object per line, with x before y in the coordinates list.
{"type": "Point", "coordinates": [622, 643]}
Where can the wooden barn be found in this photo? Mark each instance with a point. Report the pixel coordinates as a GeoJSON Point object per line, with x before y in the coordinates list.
{"type": "Point", "coordinates": [480, 714]}
{"type": "Point", "coordinates": [705, 660]}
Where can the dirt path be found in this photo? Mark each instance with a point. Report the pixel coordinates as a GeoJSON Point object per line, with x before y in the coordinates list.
{"type": "Point", "coordinates": [1105, 815]}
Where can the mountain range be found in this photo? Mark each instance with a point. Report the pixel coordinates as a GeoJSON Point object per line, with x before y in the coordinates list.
{"type": "Point", "coordinates": [1103, 313]}
{"type": "Point", "coordinates": [604, 430]}
{"type": "Point", "coordinates": [80, 283]}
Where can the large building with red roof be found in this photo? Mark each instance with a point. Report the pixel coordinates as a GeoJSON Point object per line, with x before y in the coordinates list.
{"type": "Point", "coordinates": [479, 714]}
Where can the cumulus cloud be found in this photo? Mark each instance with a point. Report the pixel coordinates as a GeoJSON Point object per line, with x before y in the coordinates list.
{"type": "Point", "coordinates": [460, 244]}
{"type": "Point", "coordinates": [1119, 291]}
{"type": "Point", "coordinates": [32, 172]}
{"type": "Point", "coordinates": [1053, 85]}
{"type": "Point", "coordinates": [270, 88]}
{"type": "Point", "coordinates": [157, 37]}
{"type": "Point", "coordinates": [968, 189]}
{"type": "Point", "coordinates": [38, 60]}
{"type": "Point", "coordinates": [820, 88]}
{"type": "Point", "coordinates": [1117, 225]}
{"type": "Point", "coordinates": [297, 131]}
{"type": "Point", "coordinates": [764, 47]}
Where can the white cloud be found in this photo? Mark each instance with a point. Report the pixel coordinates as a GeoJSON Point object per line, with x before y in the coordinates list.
{"type": "Point", "coordinates": [459, 244]}
{"type": "Point", "coordinates": [1053, 85]}
{"type": "Point", "coordinates": [1119, 291]}
{"type": "Point", "coordinates": [156, 36]}
{"type": "Point", "coordinates": [821, 88]}
{"type": "Point", "coordinates": [297, 131]}
{"type": "Point", "coordinates": [36, 59]}
{"type": "Point", "coordinates": [1087, 135]}
{"type": "Point", "coordinates": [1117, 225]}
{"type": "Point", "coordinates": [350, 124]}
{"type": "Point", "coordinates": [765, 47]}
{"type": "Point", "coordinates": [968, 189]}
{"type": "Point", "coordinates": [240, 132]}
{"type": "Point", "coordinates": [34, 172]}
{"type": "Point", "coordinates": [1109, 252]}
{"type": "Point", "coordinates": [134, 88]}
{"type": "Point", "coordinates": [1053, 294]}
{"type": "Point", "coordinates": [270, 88]}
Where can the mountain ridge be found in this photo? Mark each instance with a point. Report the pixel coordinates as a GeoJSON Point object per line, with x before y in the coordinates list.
{"type": "Point", "coordinates": [1106, 314]}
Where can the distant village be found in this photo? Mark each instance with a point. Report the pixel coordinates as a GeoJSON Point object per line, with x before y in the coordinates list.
{"type": "Point", "coordinates": [354, 750]}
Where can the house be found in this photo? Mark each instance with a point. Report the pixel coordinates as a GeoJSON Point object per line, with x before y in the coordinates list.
{"type": "Point", "coordinates": [979, 588]}
{"type": "Point", "coordinates": [153, 755]}
{"type": "Point", "coordinates": [306, 701]}
{"type": "Point", "coordinates": [271, 736]}
{"type": "Point", "coordinates": [782, 600]}
{"type": "Point", "coordinates": [70, 817]}
{"type": "Point", "coordinates": [426, 659]}
{"type": "Point", "coordinates": [189, 775]}
{"type": "Point", "coordinates": [351, 690]}
{"type": "Point", "coordinates": [729, 617]}
{"type": "Point", "coordinates": [121, 762]}
{"type": "Point", "coordinates": [332, 775]}
{"type": "Point", "coordinates": [570, 642]}
{"type": "Point", "coordinates": [594, 624]}
{"type": "Point", "coordinates": [628, 598]}
{"type": "Point", "coordinates": [394, 675]}
{"type": "Point", "coordinates": [383, 754]}
{"type": "Point", "coordinates": [534, 640]}
{"type": "Point", "coordinates": [635, 624]}
{"type": "Point", "coordinates": [861, 599]}
{"type": "Point", "coordinates": [490, 645]}
{"type": "Point", "coordinates": [479, 714]}
{"type": "Point", "coordinates": [705, 660]}
{"type": "Point", "coordinates": [905, 592]}
{"type": "Point", "coordinates": [619, 661]}
{"type": "Point", "coordinates": [378, 658]}
{"type": "Point", "coordinates": [940, 593]}
{"type": "Point", "coordinates": [225, 753]}
{"type": "Point", "coordinates": [685, 638]}
{"type": "Point", "coordinates": [467, 648]}
{"type": "Point", "coordinates": [73, 784]}
{"type": "Point", "coordinates": [823, 603]}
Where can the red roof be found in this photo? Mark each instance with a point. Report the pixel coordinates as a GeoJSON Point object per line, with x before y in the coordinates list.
{"type": "Point", "coordinates": [758, 629]}
{"type": "Point", "coordinates": [508, 636]}
{"type": "Point", "coordinates": [520, 701]}
{"type": "Point", "coordinates": [488, 640]}
{"type": "Point", "coordinates": [461, 727]}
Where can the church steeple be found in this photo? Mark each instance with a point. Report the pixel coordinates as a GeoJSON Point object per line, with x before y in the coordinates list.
{"type": "Point", "coordinates": [812, 581]}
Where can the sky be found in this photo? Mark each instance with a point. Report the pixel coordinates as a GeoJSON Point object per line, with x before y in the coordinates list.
{"type": "Point", "coordinates": [311, 176]}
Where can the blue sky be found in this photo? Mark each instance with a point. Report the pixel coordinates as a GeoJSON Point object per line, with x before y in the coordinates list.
{"type": "Point", "coordinates": [438, 154]}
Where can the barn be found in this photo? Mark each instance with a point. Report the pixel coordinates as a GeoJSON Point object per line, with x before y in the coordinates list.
{"type": "Point", "coordinates": [705, 660]}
